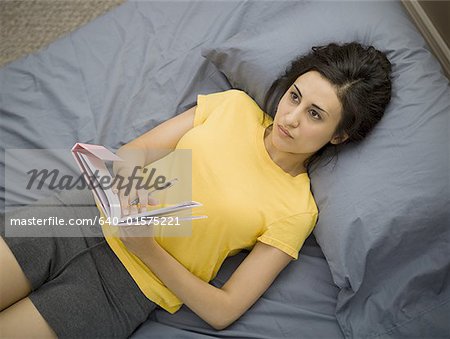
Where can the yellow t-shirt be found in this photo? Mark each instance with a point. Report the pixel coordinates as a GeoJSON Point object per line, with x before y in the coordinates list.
{"type": "Point", "coordinates": [246, 196]}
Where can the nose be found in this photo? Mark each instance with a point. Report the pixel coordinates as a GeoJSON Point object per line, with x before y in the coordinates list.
{"type": "Point", "coordinates": [292, 118]}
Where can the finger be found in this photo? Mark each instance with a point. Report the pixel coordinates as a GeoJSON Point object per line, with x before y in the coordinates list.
{"type": "Point", "coordinates": [152, 201]}
{"type": "Point", "coordinates": [143, 199]}
{"type": "Point", "coordinates": [123, 202]}
{"type": "Point", "coordinates": [134, 208]}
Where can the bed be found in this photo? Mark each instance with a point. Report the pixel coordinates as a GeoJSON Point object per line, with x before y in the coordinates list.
{"type": "Point", "coordinates": [378, 261]}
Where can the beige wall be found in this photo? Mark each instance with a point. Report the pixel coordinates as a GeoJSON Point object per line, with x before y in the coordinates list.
{"type": "Point", "coordinates": [439, 14]}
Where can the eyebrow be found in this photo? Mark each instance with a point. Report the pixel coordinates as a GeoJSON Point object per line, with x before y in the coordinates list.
{"type": "Point", "coordinates": [300, 93]}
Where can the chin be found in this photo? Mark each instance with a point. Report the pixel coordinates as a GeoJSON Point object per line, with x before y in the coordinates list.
{"type": "Point", "coordinates": [282, 147]}
{"type": "Point", "coordinates": [292, 149]}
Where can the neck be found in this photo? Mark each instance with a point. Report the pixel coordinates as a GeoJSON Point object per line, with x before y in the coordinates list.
{"type": "Point", "coordinates": [291, 163]}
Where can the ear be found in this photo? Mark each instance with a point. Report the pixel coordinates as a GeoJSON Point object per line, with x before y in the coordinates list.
{"type": "Point", "coordinates": [338, 140]}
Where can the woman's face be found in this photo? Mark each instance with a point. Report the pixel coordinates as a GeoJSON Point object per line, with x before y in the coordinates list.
{"type": "Point", "coordinates": [309, 112]}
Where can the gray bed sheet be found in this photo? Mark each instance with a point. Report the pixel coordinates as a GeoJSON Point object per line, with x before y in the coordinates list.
{"type": "Point", "coordinates": [299, 304]}
{"type": "Point", "coordinates": [114, 79]}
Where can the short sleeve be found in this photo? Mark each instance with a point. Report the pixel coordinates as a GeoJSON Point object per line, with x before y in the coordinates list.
{"type": "Point", "coordinates": [207, 104]}
{"type": "Point", "coordinates": [288, 234]}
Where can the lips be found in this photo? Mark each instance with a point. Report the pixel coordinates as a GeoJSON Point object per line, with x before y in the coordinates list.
{"type": "Point", "coordinates": [284, 131]}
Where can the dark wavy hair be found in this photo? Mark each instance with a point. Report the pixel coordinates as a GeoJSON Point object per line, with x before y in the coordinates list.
{"type": "Point", "coordinates": [361, 76]}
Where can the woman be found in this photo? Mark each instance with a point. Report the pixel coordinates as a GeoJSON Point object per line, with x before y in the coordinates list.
{"type": "Point", "coordinates": [257, 196]}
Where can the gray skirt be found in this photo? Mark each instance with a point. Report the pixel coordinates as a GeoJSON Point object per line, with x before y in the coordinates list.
{"type": "Point", "coordinates": [78, 284]}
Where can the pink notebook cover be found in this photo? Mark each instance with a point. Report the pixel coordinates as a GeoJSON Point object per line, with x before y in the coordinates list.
{"type": "Point", "coordinates": [98, 151]}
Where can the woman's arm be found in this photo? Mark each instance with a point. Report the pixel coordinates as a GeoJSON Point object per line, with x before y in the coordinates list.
{"type": "Point", "coordinates": [163, 137]}
{"type": "Point", "coordinates": [149, 147]}
{"type": "Point", "coordinates": [218, 307]}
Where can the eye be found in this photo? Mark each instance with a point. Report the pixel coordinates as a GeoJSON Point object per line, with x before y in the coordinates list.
{"type": "Point", "coordinates": [315, 115]}
{"type": "Point", "coordinates": [294, 96]}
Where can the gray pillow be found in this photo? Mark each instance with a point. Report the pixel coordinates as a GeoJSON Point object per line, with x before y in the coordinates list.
{"type": "Point", "coordinates": [384, 208]}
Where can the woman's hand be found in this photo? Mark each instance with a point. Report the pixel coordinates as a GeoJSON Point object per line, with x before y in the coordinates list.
{"type": "Point", "coordinates": [126, 179]}
{"type": "Point", "coordinates": [146, 149]}
{"type": "Point", "coordinates": [128, 184]}
{"type": "Point", "coordinates": [129, 180]}
{"type": "Point", "coordinates": [137, 239]}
